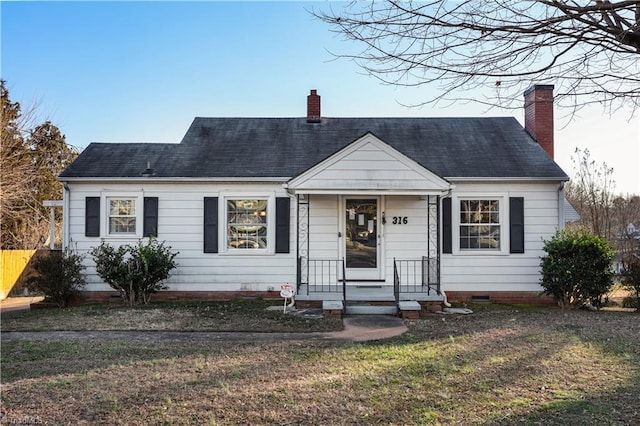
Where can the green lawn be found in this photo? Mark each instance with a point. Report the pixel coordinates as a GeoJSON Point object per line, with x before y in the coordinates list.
{"type": "Point", "coordinates": [500, 366]}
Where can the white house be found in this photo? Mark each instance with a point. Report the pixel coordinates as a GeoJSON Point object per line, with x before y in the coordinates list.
{"type": "Point", "coordinates": [381, 209]}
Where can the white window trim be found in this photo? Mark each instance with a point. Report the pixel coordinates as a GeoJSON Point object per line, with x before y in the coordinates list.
{"type": "Point", "coordinates": [503, 198]}
{"type": "Point", "coordinates": [271, 223]}
{"type": "Point", "coordinates": [104, 214]}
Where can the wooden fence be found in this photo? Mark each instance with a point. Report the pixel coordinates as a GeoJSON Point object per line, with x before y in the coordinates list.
{"type": "Point", "coordinates": [13, 264]}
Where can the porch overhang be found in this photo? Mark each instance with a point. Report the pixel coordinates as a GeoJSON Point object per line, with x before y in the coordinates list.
{"type": "Point", "coordinates": [368, 166]}
{"type": "Point", "coordinates": [367, 191]}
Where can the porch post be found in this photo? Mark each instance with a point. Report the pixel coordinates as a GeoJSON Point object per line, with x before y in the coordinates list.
{"type": "Point", "coordinates": [52, 204]}
{"type": "Point", "coordinates": [302, 238]}
{"type": "Point", "coordinates": [433, 240]}
{"type": "Point", "coordinates": [438, 241]}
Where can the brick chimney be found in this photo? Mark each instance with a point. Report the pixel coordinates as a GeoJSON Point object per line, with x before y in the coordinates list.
{"type": "Point", "coordinates": [538, 115]}
{"type": "Point", "coordinates": [313, 107]}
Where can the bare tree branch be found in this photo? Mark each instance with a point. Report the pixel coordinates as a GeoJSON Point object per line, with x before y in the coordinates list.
{"type": "Point", "coordinates": [30, 160]}
{"type": "Point", "coordinates": [589, 50]}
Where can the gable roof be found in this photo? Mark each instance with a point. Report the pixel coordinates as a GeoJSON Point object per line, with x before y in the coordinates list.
{"type": "Point", "coordinates": [367, 164]}
{"type": "Point", "coordinates": [285, 147]}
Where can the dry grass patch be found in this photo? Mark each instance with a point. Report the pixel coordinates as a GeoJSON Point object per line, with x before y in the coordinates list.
{"type": "Point", "coordinates": [500, 366]}
{"type": "Point", "coordinates": [234, 315]}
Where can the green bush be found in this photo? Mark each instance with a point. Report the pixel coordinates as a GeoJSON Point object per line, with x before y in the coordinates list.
{"type": "Point", "coordinates": [58, 275]}
{"type": "Point", "coordinates": [135, 271]}
{"type": "Point", "coordinates": [577, 269]}
{"type": "Point", "coordinates": [630, 277]}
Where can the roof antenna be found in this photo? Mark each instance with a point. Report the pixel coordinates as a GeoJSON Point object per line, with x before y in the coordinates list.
{"type": "Point", "coordinates": [148, 171]}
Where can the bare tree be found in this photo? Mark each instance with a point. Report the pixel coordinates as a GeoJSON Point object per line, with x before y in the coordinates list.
{"type": "Point", "coordinates": [590, 50]}
{"type": "Point", "coordinates": [30, 161]}
{"type": "Point", "coordinates": [592, 194]}
{"type": "Point", "coordinates": [16, 171]}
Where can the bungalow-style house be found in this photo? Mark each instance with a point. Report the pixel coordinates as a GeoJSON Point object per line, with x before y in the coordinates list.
{"type": "Point", "coordinates": [398, 210]}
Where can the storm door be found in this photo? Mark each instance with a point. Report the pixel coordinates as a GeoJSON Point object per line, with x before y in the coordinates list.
{"type": "Point", "coordinates": [362, 238]}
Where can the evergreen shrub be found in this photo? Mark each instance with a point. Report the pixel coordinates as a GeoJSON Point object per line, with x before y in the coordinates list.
{"type": "Point", "coordinates": [59, 275]}
{"type": "Point", "coordinates": [577, 269]}
{"type": "Point", "coordinates": [135, 271]}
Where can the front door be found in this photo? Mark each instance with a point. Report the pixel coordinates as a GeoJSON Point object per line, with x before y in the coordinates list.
{"type": "Point", "coordinates": [362, 238]}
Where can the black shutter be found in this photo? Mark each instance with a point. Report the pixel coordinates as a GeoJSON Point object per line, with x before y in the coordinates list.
{"type": "Point", "coordinates": [210, 224]}
{"type": "Point", "coordinates": [92, 217]}
{"type": "Point", "coordinates": [283, 216]}
{"type": "Point", "coordinates": [446, 226]}
{"type": "Point", "coordinates": [150, 224]}
{"type": "Point", "coordinates": [516, 224]}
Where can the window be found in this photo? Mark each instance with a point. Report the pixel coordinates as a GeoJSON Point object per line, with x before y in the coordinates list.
{"type": "Point", "coordinates": [480, 224]}
{"type": "Point", "coordinates": [247, 224]}
{"type": "Point", "coordinates": [251, 224]}
{"type": "Point", "coordinates": [122, 215]}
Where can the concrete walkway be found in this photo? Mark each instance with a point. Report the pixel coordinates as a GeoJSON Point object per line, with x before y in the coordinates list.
{"type": "Point", "coordinates": [17, 304]}
{"type": "Point", "coordinates": [357, 328]}
{"type": "Point", "coordinates": [362, 328]}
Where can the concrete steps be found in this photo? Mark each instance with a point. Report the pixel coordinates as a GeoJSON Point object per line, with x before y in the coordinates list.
{"type": "Point", "coordinates": [369, 309]}
{"type": "Point", "coordinates": [370, 299]}
{"type": "Point", "coordinates": [335, 308]}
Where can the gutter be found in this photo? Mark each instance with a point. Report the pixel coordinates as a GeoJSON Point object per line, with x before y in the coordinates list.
{"type": "Point", "coordinates": [509, 179]}
{"type": "Point", "coordinates": [139, 179]}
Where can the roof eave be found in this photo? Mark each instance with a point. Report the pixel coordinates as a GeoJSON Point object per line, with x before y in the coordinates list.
{"type": "Point", "coordinates": [160, 179]}
{"type": "Point", "coordinates": [283, 179]}
{"type": "Point", "coordinates": [509, 179]}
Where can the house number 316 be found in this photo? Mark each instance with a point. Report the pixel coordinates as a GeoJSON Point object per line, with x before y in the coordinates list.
{"type": "Point", "coordinates": [400, 220]}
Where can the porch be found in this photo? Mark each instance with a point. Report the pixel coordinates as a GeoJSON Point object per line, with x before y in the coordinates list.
{"type": "Point", "coordinates": [368, 229]}
{"type": "Point", "coordinates": [415, 286]}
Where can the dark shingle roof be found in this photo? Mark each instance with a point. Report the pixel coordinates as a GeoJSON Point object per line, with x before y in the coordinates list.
{"type": "Point", "coordinates": [285, 147]}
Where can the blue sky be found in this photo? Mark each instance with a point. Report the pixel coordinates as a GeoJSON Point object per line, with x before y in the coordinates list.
{"type": "Point", "coordinates": [141, 71]}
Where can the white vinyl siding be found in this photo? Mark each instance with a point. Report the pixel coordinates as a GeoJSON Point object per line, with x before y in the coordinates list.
{"type": "Point", "coordinates": [368, 164]}
{"type": "Point", "coordinates": [404, 241]}
{"type": "Point", "coordinates": [181, 221]}
{"type": "Point", "coordinates": [484, 271]}
{"type": "Point", "coordinates": [323, 227]}
{"type": "Point", "coordinates": [180, 224]}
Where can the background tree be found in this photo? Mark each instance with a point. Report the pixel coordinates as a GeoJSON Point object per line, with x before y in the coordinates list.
{"type": "Point", "coordinates": [592, 194]}
{"type": "Point", "coordinates": [630, 277]}
{"type": "Point", "coordinates": [50, 155]}
{"type": "Point", "coordinates": [608, 216]}
{"type": "Point", "coordinates": [589, 50]}
{"type": "Point", "coordinates": [31, 159]}
{"type": "Point", "coordinates": [625, 212]}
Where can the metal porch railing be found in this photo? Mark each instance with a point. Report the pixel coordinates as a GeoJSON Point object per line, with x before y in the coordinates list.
{"type": "Point", "coordinates": [329, 275]}
{"type": "Point", "coordinates": [396, 284]}
{"type": "Point", "coordinates": [321, 275]}
{"type": "Point", "coordinates": [417, 275]}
